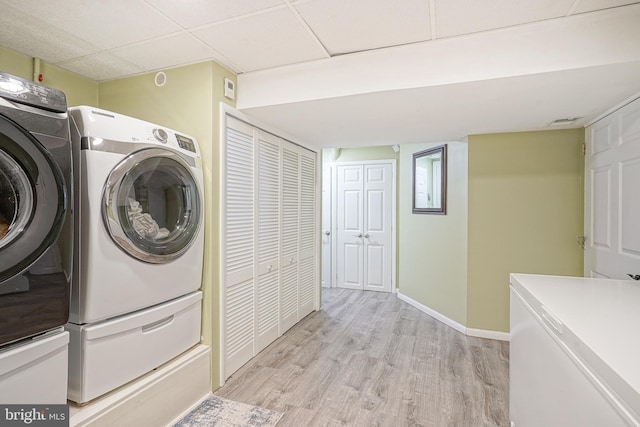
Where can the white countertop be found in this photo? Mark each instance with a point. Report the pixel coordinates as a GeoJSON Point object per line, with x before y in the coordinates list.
{"type": "Point", "coordinates": [601, 324]}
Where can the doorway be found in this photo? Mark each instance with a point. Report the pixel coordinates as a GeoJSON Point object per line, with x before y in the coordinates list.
{"type": "Point", "coordinates": [362, 238]}
{"type": "Point", "coordinates": [612, 173]}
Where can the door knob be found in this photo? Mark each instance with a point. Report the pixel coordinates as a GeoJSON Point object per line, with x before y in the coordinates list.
{"type": "Point", "coordinates": [327, 233]}
{"type": "Point", "coordinates": [366, 235]}
{"type": "Point", "coordinates": [358, 235]}
{"type": "Point", "coordinates": [581, 240]}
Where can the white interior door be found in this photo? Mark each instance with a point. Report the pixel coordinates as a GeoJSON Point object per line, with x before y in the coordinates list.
{"type": "Point", "coordinates": [326, 227]}
{"type": "Point", "coordinates": [267, 221]}
{"type": "Point", "coordinates": [612, 205]}
{"type": "Point", "coordinates": [364, 226]}
{"type": "Point", "coordinates": [238, 240]}
{"type": "Point", "coordinates": [377, 225]}
{"type": "Point", "coordinates": [436, 181]}
{"type": "Point", "coordinates": [349, 227]}
{"type": "Point", "coordinates": [308, 237]}
{"type": "Point", "coordinates": [269, 252]}
{"type": "Point", "coordinates": [289, 230]}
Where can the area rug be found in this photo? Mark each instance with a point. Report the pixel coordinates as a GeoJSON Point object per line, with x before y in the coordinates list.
{"type": "Point", "coordinates": [216, 411]}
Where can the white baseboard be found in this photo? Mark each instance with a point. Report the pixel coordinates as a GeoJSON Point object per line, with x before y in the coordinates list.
{"type": "Point", "coordinates": [492, 335]}
{"type": "Point", "coordinates": [438, 316]}
{"type": "Point", "coordinates": [480, 333]}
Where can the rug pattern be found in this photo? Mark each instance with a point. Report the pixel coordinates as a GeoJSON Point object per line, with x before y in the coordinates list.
{"type": "Point", "coordinates": [216, 411]}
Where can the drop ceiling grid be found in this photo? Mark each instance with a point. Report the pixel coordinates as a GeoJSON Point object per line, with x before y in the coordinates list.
{"type": "Point", "coordinates": [198, 13]}
{"type": "Point", "coordinates": [591, 5]}
{"type": "Point", "coordinates": [101, 66]}
{"type": "Point", "coordinates": [359, 25]}
{"type": "Point", "coordinates": [168, 51]}
{"type": "Point", "coordinates": [103, 24]}
{"type": "Point", "coordinates": [263, 40]}
{"type": "Point", "coordinates": [457, 17]}
{"type": "Point", "coordinates": [29, 34]}
{"type": "Point", "coordinates": [133, 36]}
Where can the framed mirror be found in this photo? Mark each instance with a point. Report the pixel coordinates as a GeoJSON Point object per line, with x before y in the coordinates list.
{"type": "Point", "coordinates": [430, 181]}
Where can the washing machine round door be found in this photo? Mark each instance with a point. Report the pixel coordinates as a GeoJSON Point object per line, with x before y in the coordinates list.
{"type": "Point", "coordinates": [152, 205]}
{"type": "Point", "coordinates": [33, 199]}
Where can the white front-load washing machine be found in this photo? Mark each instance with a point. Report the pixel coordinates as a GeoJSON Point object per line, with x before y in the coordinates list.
{"type": "Point", "coordinates": [139, 214]}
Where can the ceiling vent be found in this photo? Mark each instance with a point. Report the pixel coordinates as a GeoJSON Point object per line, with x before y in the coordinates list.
{"type": "Point", "coordinates": [564, 121]}
{"type": "Point", "coordinates": [160, 79]}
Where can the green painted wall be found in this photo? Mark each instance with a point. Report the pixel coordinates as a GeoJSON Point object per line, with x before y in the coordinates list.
{"type": "Point", "coordinates": [16, 63]}
{"type": "Point", "coordinates": [432, 249]}
{"type": "Point", "coordinates": [525, 211]}
{"type": "Point", "coordinates": [189, 102]}
{"type": "Point", "coordinates": [79, 90]}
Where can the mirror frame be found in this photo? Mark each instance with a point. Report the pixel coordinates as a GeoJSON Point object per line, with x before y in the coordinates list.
{"type": "Point", "coordinates": [442, 210]}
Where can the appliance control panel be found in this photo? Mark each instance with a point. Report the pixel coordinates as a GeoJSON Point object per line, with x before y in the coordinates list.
{"type": "Point", "coordinates": [185, 143]}
{"type": "Point", "coordinates": [161, 135]}
{"type": "Point", "coordinates": [109, 126]}
{"type": "Point", "coordinates": [29, 93]}
{"type": "Point", "coordinates": [182, 141]}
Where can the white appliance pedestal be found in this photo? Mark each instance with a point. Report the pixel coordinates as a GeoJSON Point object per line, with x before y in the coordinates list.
{"type": "Point", "coordinates": [35, 371]}
{"type": "Point", "coordinates": [106, 355]}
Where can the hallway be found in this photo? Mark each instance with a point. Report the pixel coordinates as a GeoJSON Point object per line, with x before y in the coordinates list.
{"type": "Point", "coordinates": [370, 359]}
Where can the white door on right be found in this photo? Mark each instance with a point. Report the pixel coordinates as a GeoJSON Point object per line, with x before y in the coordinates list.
{"type": "Point", "coordinates": [612, 198]}
{"type": "Point", "coordinates": [364, 205]}
{"type": "Point", "coordinates": [326, 279]}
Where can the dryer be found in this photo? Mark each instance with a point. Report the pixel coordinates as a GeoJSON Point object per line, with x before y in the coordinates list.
{"type": "Point", "coordinates": [135, 302]}
{"type": "Point", "coordinates": [36, 241]}
{"type": "Point", "coordinates": [140, 231]}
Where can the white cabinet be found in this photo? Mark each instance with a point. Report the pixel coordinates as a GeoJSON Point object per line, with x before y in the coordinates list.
{"type": "Point", "coordinates": [269, 248]}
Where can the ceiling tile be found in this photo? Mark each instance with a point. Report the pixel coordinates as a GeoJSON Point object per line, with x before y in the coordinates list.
{"type": "Point", "coordinates": [193, 13]}
{"type": "Point", "coordinates": [591, 5]}
{"type": "Point", "coordinates": [106, 24]}
{"type": "Point", "coordinates": [34, 37]}
{"type": "Point", "coordinates": [263, 40]}
{"type": "Point", "coordinates": [366, 24]}
{"type": "Point", "coordinates": [169, 51]}
{"type": "Point", "coordinates": [455, 17]}
{"type": "Point", "coordinates": [101, 66]}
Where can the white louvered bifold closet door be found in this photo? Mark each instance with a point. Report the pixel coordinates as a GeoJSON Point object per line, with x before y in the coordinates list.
{"type": "Point", "coordinates": [238, 238]}
{"type": "Point", "coordinates": [307, 236]}
{"type": "Point", "coordinates": [268, 254]}
{"type": "Point", "coordinates": [290, 229]}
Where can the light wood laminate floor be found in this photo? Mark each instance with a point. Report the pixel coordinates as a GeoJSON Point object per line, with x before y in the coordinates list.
{"type": "Point", "coordinates": [370, 359]}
